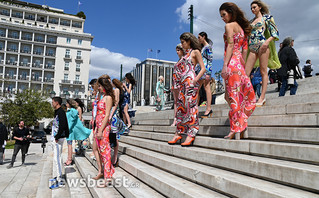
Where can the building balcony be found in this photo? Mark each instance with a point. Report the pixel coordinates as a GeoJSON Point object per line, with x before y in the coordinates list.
{"type": "Point", "coordinates": [77, 69]}
{"type": "Point", "coordinates": [17, 15]}
{"type": "Point", "coordinates": [77, 82]}
{"type": "Point", "coordinates": [50, 54]}
{"type": "Point", "coordinates": [65, 81]}
{"type": "Point", "coordinates": [9, 62]}
{"type": "Point", "coordinates": [41, 19]}
{"type": "Point", "coordinates": [29, 18]}
{"type": "Point", "coordinates": [38, 53]}
{"type": "Point", "coordinates": [47, 66]}
{"type": "Point", "coordinates": [36, 78]}
{"type": "Point", "coordinates": [51, 41]}
{"type": "Point", "coordinates": [53, 21]}
{"type": "Point", "coordinates": [67, 56]}
{"type": "Point", "coordinates": [26, 51]}
{"type": "Point", "coordinates": [13, 36]}
{"type": "Point", "coordinates": [5, 13]}
{"type": "Point", "coordinates": [77, 25]}
{"type": "Point", "coordinates": [26, 38]}
{"type": "Point", "coordinates": [37, 65]}
{"type": "Point", "coordinates": [48, 80]}
{"type": "Point", "coordinates": [39, 40]}
{"type": "Point", "coordinates": [66, 68]}
{"type": "Point", "coordinates": [24, 64]}
{"type": "Point", "coordinates": [12, 50]}
{"type": "Point", "coordinates": [10, 77]}
{"type": "Point", "coordinates": [23, 78]}
{"type": "Point", "coordinates": [65, 23]}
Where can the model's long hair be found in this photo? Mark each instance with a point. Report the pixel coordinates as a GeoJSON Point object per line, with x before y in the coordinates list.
{"type": "Point", "coordinates": [72, 103]}
{"type": "Point", "coordinates": [194, 43]}
{"type": "Point", "coordinates": [130, 78]}
{"type": "Point", "coordinates": [237, 15]}
{"type": "Point", "coordinates": [108, 88]}
{"type": "Point", "coordinates": [204, 34]}
{"type": "Point", "coordinates": [80, 103]}
{"type": "Point", "coordinates": [118, 85]}
{"type": "Point", "coordinates": [263, 6]}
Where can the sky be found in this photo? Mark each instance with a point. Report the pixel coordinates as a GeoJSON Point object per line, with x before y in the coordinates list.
{"type": "Point", "coordinates": [124, 30]}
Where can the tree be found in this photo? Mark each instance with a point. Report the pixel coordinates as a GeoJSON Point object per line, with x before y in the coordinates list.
{"type": "Point", "coordinates": [81, 15]}
{"type": "Point", "coordinates": [29, 106]}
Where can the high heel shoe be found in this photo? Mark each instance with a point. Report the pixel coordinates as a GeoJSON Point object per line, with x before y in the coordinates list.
{"type": "Point", "coordinates": [244, 134]}
{"type": "Point", "coordinates": [231, 135]}
{"type": "Point", "coordinates": [210, 113]}
{"type": "Point", "coordinates": [262, 103]}
{"type": "Point", "coordinates": [190, 142]}
{"type": "Point", "coordinates": [174, 141]}
{"type": "Point", "coordinates": [68, 163]}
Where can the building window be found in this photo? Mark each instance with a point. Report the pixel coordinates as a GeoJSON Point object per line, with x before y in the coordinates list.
{"type": "Point", "coordinates": [66, 76]}
{"type": "Point", "coordinates": [67, 53]}
{"type": "Point", "coordinates": [68, 40]}
{"type": "Point", "coordinates": [80, 42]}
{"type": "Point", "coordinates": [77, 78]}
{"type": "Point", "coordinates": [78, 67]}
{"type": "Point", "coordinates": [79, 55]}
{"type": "Point", "coordinates": [66, 66]}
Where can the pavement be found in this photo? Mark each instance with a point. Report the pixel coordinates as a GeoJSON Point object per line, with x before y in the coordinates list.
{"type": "Point", "coordinates": [22, 181]}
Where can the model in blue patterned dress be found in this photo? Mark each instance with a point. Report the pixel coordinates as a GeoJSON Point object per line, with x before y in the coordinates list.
{"type": "Point", "coordinates": [207, 55]}
{"type": "Point", "coordinates": [261, 45]}
{"type": "Point", "coordinates": [127, 87]}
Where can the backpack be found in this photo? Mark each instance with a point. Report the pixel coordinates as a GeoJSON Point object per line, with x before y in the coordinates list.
{"type": "Point", "coordinates": [307, 69]}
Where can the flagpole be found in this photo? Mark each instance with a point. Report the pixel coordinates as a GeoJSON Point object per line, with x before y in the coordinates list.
{"type": "Point", "coordinates": [78, 6]}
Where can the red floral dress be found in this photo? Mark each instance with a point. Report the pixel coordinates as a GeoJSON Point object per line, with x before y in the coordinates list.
{"type": "Point", "coordinates": [238, 86]}
{"type": "Point", "coordinates": [104, 144]}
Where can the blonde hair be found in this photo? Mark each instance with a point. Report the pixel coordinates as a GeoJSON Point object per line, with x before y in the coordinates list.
{"type": "Point", "coordinates": [160, 77]}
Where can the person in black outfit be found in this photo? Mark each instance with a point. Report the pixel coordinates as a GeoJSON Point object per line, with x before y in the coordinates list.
{"type": "Point", "coordinates": [60, 131]}
{"type": "Point", "coordinates": [20, 135]}
{"type": "Point", "coordinates": [289, 61]}
{"type": "Point", "coordinates": [3, 137]}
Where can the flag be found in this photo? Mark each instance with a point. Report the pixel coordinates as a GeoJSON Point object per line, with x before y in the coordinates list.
{"type": "Point", "coordinates": [150, 50]}
{"type": "Point", "coordinates": [80, 3]}
{"type": "Point", "coordinates": [158, 51]}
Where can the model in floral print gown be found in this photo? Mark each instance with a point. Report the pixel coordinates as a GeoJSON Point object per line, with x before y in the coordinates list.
{"type": "Point", "coordinates": [103, 126]}
{"type": "Point", "coordinates": [241, 95]}
{"type": "Point", "coordinates": [184, 77]}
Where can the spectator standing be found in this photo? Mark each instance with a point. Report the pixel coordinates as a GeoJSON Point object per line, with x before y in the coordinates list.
{"type": "Point", "coordinates": [128, 87]}
{"type": "Point", "coordinates": [213, 90]}
{"type": "Point", "coordinates": [60, 131]}
{"type": "Point", "coordinates": [20, 135]}
{"type": "Point", "coordinates": [307, 69]}
{"type": "Point", "coordinates": [289, 63]}
{"type": "Point", "coordinates": [3, 139]}
{"type": "Point", "coordinates": [256, 80]}
{"type": "Point", "coordinates": [272, 76]}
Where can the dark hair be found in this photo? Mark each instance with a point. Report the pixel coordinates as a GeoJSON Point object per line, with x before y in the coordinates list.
{"type": "Point", "coordinates": [106, 84]}
{"type": "Point", "coordinates": [57, 99]}
{"type": "Point", "coordinates": [237, 15]}
{"type": "Point", "coordinates": [130, 78]}
{"type": "Point", "coordinates": [263, 7]}
{"type": "Point", "coordinates": [308, 61]}
{"type": "Point", "coordinates": [204, 34]}
{"type": "Point", "coordinates": [286, 43]}
{"type": "Point", "coordinates": [79, 101]}
{"type": "Point", "coordinates": [194, 43]}
{"type": "Point", "coordinates": [72, 103]}
{"type": "Point", "coordinates": [92, 82]}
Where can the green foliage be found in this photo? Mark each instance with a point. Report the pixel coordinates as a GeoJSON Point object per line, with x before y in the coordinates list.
{"type": "Point", "coordinates": [81, 15]}
{"type": "Point", "coordinates": [29, 106]}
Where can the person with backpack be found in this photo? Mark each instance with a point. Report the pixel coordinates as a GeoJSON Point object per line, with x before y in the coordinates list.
{"type": "Point", "coordinates": [307, 69]}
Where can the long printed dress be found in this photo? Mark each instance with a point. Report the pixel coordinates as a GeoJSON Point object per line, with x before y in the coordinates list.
{"type": "Point", "coordinates": [160, 93]}
{"type": "Point", "coordinates": [238, 86]}
{"type": "Point", "coordinates": [186, 106]}
{"type": "Point", "coordinates": [76, 128]}
{"type": "Point", "coordinates": [104, 144]}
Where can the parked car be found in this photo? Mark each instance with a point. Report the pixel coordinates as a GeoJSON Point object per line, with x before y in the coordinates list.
{"type": "Point", "coordinates": [37, 136]}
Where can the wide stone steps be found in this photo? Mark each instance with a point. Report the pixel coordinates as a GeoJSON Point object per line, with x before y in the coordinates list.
{"type": "Point", "coordinates": [284, 172]}
{"type": "Point", "coordinates": [168, 184]}
{"type": "Point", "coordinates": [230, 183]}
{"type": "Point", "coordinates": [305, 153]}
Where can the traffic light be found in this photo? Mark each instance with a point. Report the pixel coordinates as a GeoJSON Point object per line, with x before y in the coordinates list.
{"type": "Point", "coordinates": [190, 12]}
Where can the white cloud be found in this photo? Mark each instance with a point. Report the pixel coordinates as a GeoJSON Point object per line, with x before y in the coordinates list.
{"type": "Point", "coordinates": [103, 61]}
{"type": "Point", "coordinates": [294, 18]}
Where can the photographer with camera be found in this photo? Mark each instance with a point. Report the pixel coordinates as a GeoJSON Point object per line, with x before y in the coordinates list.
{"type": "Point", "coordinates": [21, 136]}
